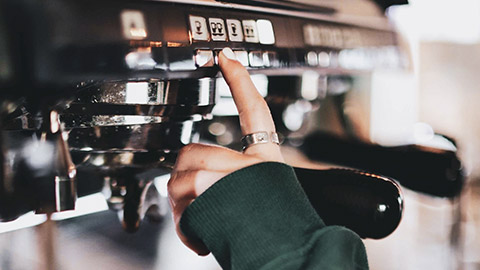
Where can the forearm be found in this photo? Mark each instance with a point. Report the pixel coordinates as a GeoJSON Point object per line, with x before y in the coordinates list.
{"type": "Point", "coordinates": [260, 218]}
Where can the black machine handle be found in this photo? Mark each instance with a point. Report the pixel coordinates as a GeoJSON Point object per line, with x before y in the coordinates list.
{"type": "Point", "coordinates": [368, 204]}
{"type": "Point", "coordinates": [428, 170]}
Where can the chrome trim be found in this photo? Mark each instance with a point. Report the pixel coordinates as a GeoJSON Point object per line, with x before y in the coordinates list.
{"type": "Point", "coordinates": [379, 23]}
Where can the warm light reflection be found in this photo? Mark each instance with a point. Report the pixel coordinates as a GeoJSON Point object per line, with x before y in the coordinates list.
{"type": "Point", "coordinates": [145, 44]}
{"type": "Point", "coordinates": [190, 37]}
{"type": "Point", "coordinates": [176, 44]}
{"type": "Point", "coordinates": [144, 50]}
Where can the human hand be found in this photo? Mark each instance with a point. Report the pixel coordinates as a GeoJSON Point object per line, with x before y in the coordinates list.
{"type": "Point", "coordinates": [199, 166]}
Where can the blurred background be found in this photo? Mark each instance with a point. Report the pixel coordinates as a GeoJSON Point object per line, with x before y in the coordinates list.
{"type": "Point", "coordinates": [441, 94]}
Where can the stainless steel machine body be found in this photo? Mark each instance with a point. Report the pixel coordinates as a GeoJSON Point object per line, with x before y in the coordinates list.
{"type": "Point", "coordinates": [115, 88]}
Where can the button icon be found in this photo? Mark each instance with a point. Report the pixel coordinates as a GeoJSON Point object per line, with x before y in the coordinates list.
{"type": "Point", "coordinates": [198, 26]}
{"type": "Point", "coordinates": [133, 24]}
{"type": "Point", "coordinates": [217, 28]}
{"type": "Point", "coordinates": [234, 30]}
{"type": "Point", "coordinates": [250, 31]}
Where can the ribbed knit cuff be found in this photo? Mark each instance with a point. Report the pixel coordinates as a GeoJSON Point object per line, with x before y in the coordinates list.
{"type": "Point", "coordinates": [252, 216]}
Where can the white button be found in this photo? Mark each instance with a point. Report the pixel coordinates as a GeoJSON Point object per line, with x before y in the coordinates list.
{"type": "Point", "coordinates": [256, 59]}
{"type": "Point", "coordinates": [234, 30]}
{"type": "Point", "coordinates": [217, 29]}
{"type": "Point", "coordinates": [133, 24]}
{"type": "Point", "coordinates": [312, 59]}
{"type": "Point", "coordinates": [250, 31]}
{"type": "Point", "coordinates": [265, 32]}
{"type": "Point", "coordinates": [242, 57]}
{"type": "Point", "coordinates": [270, 59]}
{"type": "Point", "coordinates": [198, 26]}
{"type": "Point", "coordinates": [204, 58]}
{"type": "Point", "coordinates": [323, 59]}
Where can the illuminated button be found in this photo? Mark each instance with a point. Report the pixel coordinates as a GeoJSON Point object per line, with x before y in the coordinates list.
{"type": "Point", "coordinates": [198, 26]}
{"type": "Point", "coordinates": [256, 59]}
{"type": "Point", "coordinates": [204, 58]}
{"type": "Point", "coordinates": [242, 57]}
{"type": "Point", "coordinates": [312, 58]}
{"type": "Point", "coordinates": [323, 59]}
{"type": "Point", "coordinates": [235, 32]}
{"type": "Point", "coordinates": [133, 24]}
{"type": "Point", "coordinates": [265, 32]}
{"type": "Point", "coordinates": [217, 29]}
{"type": "Point", "coordinates": [250, 31]}
{"type": "Point", "coordinates": [270, 59]}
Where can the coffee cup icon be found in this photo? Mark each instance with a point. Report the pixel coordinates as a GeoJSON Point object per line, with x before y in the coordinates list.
{"type": "Point", "coordinates": [217, 28]}
{"type": "Point", "coordinates": [198, 27]}
{"type": "Point", "coordinates": [234, 29]}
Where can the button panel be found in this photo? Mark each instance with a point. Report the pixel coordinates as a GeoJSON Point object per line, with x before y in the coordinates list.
{"type": "Point", "coordinates": [212, 30]}
{"type": "Point", "coordinates": [216, 29]}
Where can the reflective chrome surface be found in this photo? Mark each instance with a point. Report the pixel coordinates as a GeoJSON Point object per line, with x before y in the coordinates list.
{"type": "Point", "coordinates": [107, 128]}
{"type": "Point", "coordinates": [130, 84]}
{"type": "Point", "coordinates": [186, 92]}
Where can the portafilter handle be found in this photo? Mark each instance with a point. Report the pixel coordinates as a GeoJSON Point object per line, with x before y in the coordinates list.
{"type": "Point", "coordinates": [368, 204]}
{"type": "Point", "coordinates": [428, 170]}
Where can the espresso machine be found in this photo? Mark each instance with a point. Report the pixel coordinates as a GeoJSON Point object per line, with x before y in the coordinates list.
{"type": "Point", "coordinates": [99, 96]}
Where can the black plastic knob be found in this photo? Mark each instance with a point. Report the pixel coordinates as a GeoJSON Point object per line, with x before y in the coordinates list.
{"type": "Point", "coordinates": [368, 204]}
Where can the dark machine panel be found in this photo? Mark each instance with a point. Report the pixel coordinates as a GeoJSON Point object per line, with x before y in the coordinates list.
{"type": "Point", "coordinates": [114, 89]}
{"type": "Point", "coordinates": [82, 40]}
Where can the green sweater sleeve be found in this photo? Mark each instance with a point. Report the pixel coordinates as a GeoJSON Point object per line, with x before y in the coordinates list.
{"type": "Point", "coordinates": [260, 218]}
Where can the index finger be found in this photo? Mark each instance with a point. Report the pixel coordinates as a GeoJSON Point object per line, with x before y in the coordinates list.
{"type": "Point", "coordinates": [253, 111]}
